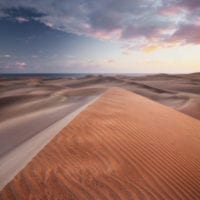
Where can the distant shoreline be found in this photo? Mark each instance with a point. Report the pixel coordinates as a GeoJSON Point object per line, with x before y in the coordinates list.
{"type": "Point", "coordinates": [65, 75]}
{"type": "Point", "coordinates": [79, 75]}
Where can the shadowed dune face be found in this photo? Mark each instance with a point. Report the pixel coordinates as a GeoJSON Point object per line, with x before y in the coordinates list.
{"type": "Point", "coordinates": [28, 106]}
{"type": "Point", "coordinates": [21, 96]}
{"type": "Point", "coordinates": [123, 146]}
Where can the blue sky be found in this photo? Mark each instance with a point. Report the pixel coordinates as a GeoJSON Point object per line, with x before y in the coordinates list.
{"type": "Point", "coordinates": [136, 36]}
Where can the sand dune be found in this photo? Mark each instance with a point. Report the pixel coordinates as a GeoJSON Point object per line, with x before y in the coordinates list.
{"type": "Point", "coordinates": [24, 95]}
{"type": "Point", "coordinates": [30, 142]}
{"type": "Point", "coordinates": [123, 146]}
{"type": "Point", "coordinates": [191, 107]}
{"type": "Point", "coordinates": [31, 108]}
{"type": "Point", "coordinates": [32, 111]}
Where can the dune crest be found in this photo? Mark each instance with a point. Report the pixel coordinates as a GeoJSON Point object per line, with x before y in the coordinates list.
{"type": "Point", "coordinates": [123, 146]}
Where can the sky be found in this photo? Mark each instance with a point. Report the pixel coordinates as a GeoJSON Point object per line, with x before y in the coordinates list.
{"type": "Point", "coordinates": [99, 36]}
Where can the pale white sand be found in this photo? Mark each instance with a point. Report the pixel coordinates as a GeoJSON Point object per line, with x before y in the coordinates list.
{"type": "Point", "coordinates": [32, 111]}
{"type": "Point", "coordinates": [122, 147]}
{"type": "Point", "coordinates": [17, 158]}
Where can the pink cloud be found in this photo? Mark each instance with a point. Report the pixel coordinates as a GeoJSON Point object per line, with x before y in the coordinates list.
{"type": "Point", "coordinates": [20, 65]}
{"type": "Point", "coordinates": [189, 4]}
{"type": "Point", "coordinates": [104, 35]}
{"type": "Point", "coordinates": [21, 19]}
{"type": "Point", "coordinates": [187, 34]}
{"type": "Point", "coordinates": [170, 11]}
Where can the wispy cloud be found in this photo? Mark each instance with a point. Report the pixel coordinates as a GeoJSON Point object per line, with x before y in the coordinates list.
{"type": "Point", "coordinates": [20, 65]}
{"type": "Point", "coordinates": [22, 19]}
{"type": "Point", "coordinates": [147, 20]}
{"type": "Point", "coordinates": [5, 56]}
{"type": "Point", "coordinates": [13, 66]}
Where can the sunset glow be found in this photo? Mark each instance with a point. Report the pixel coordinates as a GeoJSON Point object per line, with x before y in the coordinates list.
{"type": "Point", "coordinates": [148, 36]}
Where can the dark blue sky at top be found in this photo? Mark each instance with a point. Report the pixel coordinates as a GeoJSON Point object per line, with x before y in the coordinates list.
{"type": "Point", "coordinates": [33, 37]}
{"type": "Point", "coordinates": [24, 39]}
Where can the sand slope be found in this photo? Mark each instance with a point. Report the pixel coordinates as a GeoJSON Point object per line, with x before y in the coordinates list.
{"type": "Point", "coordinates": [123, 146]}
{"type": "Point", "coordinates": [16, 159]}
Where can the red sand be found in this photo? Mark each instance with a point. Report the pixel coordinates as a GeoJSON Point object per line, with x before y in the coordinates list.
{"type": "Point", "coordinates": [123, 146]}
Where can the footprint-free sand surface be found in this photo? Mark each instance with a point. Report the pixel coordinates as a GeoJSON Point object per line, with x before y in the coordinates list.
{"type": "Point", "coordinates": [123, 146]}
{"type": "Point", "coordinates": [31, 141]}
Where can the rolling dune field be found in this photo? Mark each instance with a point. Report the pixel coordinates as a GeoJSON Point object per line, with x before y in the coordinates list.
{"type": "Point", "coordinates": [121, 147]}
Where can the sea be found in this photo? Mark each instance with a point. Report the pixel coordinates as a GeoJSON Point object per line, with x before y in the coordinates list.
{"type": "Point", "coordinates": [62, 75]}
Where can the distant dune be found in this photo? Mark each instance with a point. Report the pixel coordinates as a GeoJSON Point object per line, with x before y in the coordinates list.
{"type": "Point", "coordinates": [26, 95]}
{"type": "Point", "coordinates": [123, 146]}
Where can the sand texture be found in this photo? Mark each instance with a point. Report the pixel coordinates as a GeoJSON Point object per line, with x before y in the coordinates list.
{"type": "Point", "coordinates": [17, 158]}
{"type": "Point", "coordinates": [121, 147]}
{"type": "Point", "coordinates": [32, 112]}
{"type": "Point", "coordinates": [22, 96]}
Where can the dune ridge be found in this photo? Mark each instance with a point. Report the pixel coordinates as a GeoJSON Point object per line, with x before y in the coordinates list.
{"type": "Point", "coordinates": [17, 158]}
{"type": "Point", "coordinates": [20, 96]}
{"type": "Point", "coordinates": [123, 146]}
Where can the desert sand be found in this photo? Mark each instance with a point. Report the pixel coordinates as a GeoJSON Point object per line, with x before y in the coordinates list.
{"type": "Point", "coordinates": [22, 96]}
{"type": "Point", "coordinates": [122, 146]}
{"type": "Point", "coordinates": [34, 110]}
{"type": "Point", "coordinates": [17, 158]}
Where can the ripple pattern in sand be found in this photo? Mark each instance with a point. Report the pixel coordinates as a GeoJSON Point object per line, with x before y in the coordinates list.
{"type": "Point", "coordinates": [122, 147]}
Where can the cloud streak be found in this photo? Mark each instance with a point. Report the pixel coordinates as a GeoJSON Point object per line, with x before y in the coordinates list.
{"type": "Point", "coordinates": [152, 21]}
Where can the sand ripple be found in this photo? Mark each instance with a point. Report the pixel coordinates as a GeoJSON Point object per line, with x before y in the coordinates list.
{"type": "Point", "coordinates": [123, 146]}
